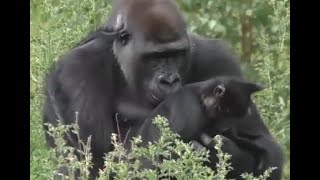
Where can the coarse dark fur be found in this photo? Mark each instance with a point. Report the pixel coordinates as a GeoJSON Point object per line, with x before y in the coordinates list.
{"type": "Point", "coordinates": [210, 107]}
{"type": "Point", "coordinates": [143, 53]}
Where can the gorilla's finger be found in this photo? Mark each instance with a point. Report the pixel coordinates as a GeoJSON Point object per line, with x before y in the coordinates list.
{"type": "Point", "coordinates": [197, 146]}
{"type": "Point", "coordinates": [207, 141]}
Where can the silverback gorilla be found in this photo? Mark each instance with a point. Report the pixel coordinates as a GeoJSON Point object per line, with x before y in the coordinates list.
{"type": "Point", "coordinates": [142, 54]}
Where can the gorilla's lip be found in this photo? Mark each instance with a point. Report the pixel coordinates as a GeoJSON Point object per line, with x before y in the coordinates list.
{"type": "Point", "coordinates": [155, 97]}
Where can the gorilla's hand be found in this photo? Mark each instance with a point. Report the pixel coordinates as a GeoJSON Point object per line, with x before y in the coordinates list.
{"type": "Point", "coordinates": [228, 146]}
{"type": "Point", "coordinates": [247, 155]}
{"type": "Point", "coordinates": [238, 156]}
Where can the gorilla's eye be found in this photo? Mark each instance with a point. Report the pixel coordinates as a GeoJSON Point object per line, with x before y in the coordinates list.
{"type": "Point", "coordinates": [124, 37]}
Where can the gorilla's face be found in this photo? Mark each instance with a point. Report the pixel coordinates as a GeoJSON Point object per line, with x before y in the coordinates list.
{"type": "Point", "coordinates": [154, 53]}
{"type": "Point", "coordinates": [227, 96]}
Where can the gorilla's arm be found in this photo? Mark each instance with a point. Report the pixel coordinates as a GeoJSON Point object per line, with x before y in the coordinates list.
{"type": "Point", "coordinates": [82, 82]}
{"type": "Point", "coordinates": [132, 110]}
{"type": "Point", "coordinates": [245, 159]}
{"type": "Point", "coordinates": [213, 58]}
{"type": "Point", "coordinates": [184, 114]}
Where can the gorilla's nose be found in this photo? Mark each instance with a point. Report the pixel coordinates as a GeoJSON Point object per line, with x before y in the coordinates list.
{"type": "Point", "coordinates": [169, 82]}
{"type": "Point", "coordinates": [169, 79]}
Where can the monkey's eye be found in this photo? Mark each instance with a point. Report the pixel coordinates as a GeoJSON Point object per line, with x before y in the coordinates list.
{"type": "Point", "coordinates": [124, 37]}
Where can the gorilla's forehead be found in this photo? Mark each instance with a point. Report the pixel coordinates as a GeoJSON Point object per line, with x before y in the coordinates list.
{"type": "Point", "coordinates": [157, 22]}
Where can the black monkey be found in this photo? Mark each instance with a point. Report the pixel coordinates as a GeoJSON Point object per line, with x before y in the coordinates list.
{"type": "Point", "coordinates": [149, 56]}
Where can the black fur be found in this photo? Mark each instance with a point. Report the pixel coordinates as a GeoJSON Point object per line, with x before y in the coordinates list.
{"type": "Point", "coordinates": [144, 59]}
{"type": "Point", "coordinates": [212, 107]}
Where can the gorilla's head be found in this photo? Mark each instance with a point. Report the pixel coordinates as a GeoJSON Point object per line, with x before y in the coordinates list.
{"type": "Point", "coordinates": [152, 47]}
{"type": "Point", "coordinates": [227, 96]}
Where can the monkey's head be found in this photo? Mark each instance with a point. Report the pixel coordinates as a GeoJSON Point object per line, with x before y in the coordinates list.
{"type": "Point", "coordinates": [152, 47]}
{"type": "Point", "coordinates": [227, 96]}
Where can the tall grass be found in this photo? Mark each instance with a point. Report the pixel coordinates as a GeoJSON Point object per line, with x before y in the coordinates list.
{"type": "Point", "coordinates": [58, 25]}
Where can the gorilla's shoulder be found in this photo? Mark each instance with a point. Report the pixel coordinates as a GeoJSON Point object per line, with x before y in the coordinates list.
{"type": "Point", "coordinates": [213, 55]}
{"type": "Point", "coordinates": [80, 62]}
{"type": "Point", "coordinates": [90, 52]}
{"type": "Point", "coordinates": [207, 43]}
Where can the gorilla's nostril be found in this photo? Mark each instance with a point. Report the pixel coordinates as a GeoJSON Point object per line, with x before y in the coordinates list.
{"type": "Point", "coordinates": [175, 80]}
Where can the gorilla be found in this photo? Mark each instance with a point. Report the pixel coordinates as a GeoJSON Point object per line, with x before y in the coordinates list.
{"type": "Point", "coordinates": [209, 107]}
{"type": "Point", "coordinates": [142, 54]}
{"type": "Point", "coordinates": [212, 107]}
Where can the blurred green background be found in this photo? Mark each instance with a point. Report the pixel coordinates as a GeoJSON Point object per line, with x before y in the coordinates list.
{"type": "Point", "coordinates": [257, 30]}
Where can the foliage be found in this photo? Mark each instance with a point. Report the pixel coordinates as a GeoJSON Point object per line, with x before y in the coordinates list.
{"type": "Point", "coordinates": [126, 164]}
{"type": "Point", "coordinates": [58, 25]}
{"type": "Point", "coordinates": [268, 61]}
